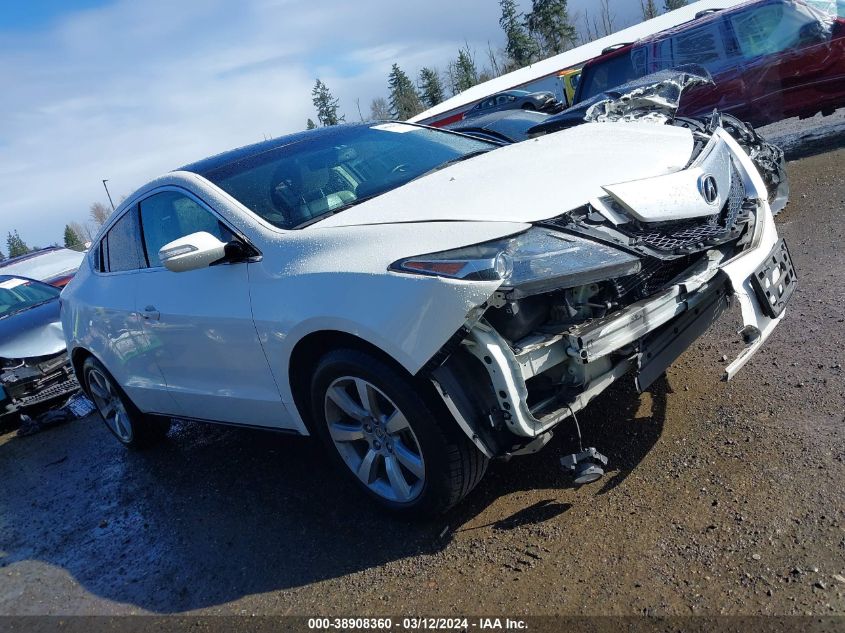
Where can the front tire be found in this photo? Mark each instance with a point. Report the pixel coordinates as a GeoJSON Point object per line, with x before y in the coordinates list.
{"type": "Point", "coordinates": [401, 451]}
{"type": "Point", "coordinates": [125, 421]}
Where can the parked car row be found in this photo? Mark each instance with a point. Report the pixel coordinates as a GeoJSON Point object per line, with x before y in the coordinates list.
{"type": "Point", "coordinates": [770, 60]}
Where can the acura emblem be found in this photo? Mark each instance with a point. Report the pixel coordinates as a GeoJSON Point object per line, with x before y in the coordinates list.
{"type": "Point", "coordinates": [709, 188]}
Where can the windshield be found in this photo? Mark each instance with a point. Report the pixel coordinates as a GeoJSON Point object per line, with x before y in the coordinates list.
{"type": "Point", "coordinates": [21, 294]}
{"type": "Point", "coordinates": [297, 184]}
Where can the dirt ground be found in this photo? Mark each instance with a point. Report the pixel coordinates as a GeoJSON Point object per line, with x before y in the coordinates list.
{"type": "Point", "coordinates": [722, 497]}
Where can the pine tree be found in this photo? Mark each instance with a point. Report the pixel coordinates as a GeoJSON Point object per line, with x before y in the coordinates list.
{"type": "Point", "coordinates": [310, 125]}
{"type": "Point", "coordinates": [520, 48]}
{"type": "Point", "coordinates": [404, 100]}
{"type": "Point", "coordinates": [549, 24]}
{"type": "Point", "coordinates": [2, 256]}
{"type": "Point", "coordinates": [465, 72]}
{"type": "Point", "coordinates": [72, 240]}
{"type": "Point", "coordinates": [649, 9]}
{"type": "Point", "coordinates": [431, 88]}
{"type": "Point", "coordinates": [15, 244]}
{"type": "Point", "coordinates": [671, 5]}
{"type": "Point", "coordinates": [326, 105]}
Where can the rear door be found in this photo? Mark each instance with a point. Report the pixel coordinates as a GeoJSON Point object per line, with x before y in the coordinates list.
{"type": "Point", "coordinates": [209, 351]}
{"type": "Point", "coordinates": [120, 341]}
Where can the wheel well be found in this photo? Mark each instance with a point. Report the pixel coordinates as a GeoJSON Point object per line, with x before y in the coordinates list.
{"type": "Point", "coordinates": [308, 352]}
{"type": "Point", "coordinates": [77, 360]}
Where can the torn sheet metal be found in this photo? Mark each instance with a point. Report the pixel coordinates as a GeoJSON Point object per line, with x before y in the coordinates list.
{"type": "Point", "coordinates": [654, 98]}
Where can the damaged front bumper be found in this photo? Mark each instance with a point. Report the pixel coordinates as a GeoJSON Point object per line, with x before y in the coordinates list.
{"type": "Point", "coordinates": [644, 337]}
{"type": "Point", "coordinates": [31, 382]}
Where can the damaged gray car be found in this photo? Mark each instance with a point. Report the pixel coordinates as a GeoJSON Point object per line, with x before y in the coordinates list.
{"type": "Point", "coordinates": [34, 365]}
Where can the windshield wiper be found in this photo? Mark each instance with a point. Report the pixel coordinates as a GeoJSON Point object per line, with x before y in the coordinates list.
{"type": "Point", "coordinates": [452, 161]}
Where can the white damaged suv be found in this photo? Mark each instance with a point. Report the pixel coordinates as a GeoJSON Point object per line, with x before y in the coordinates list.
{"type": "Point", "coordinates": [420, 300]}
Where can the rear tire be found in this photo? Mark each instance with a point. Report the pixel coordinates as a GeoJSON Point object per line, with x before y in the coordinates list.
{"type": "Point", "coordinates": [132, 428]}
{"type": "Point", "coordinates": [385, 435]}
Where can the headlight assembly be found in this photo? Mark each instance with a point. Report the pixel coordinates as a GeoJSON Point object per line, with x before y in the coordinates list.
{"type": "Point", "coordinates": [536, 261]}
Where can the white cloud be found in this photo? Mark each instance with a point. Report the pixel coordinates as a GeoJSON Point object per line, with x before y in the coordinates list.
{"type": "Point", "coordinates": [133, 89]}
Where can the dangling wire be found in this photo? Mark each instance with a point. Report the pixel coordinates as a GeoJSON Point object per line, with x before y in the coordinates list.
{"type": "Point", "coordinates": [577, 428]}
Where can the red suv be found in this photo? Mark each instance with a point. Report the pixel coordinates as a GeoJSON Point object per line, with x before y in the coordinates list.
{"type": "Point", "coordinates": [770, 60]}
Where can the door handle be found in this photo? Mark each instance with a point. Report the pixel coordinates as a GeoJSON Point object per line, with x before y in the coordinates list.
{"type": "Point", "coordinates": [150, 313]}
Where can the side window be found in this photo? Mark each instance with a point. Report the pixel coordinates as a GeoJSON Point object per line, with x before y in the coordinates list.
{"type": "Point", "coordinates": [772, 29]}
{"type": "Point", "coordinates": [704, 45]}
{"type": "Point", "coordinates": [123, 249]}
{"type": "Point", "coordinates": [170, 215]}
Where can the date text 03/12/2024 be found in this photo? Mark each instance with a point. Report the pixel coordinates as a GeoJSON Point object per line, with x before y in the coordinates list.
{"type": "Point", "coordinates": [410, 624]}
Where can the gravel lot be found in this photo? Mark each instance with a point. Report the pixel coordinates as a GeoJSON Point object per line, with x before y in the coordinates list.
{"type": "Point", "coordinates": [722, 498]}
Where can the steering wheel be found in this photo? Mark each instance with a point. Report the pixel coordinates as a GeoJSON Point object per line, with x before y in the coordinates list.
{"type": "Point", "coordinates": [400, 169]}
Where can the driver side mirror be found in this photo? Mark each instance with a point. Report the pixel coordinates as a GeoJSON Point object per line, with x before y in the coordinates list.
{"type": "Point", "coordinates": [192, 252]}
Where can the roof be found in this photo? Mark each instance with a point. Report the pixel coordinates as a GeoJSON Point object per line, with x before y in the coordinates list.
{"type": "Point", "coordinates": [225, 158]}
{"type": "Point", "coordinates": [29, 255]}
{"type": "Point", "coordinates": [44, 265]}
{"type": "Point", "coordinates": [568, 59]}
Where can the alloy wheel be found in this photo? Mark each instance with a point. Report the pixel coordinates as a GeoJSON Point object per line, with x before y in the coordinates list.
{"type": "Point", "coordinates": [110, 405]}
{"type": "Point", "coordinates": [374, 439]}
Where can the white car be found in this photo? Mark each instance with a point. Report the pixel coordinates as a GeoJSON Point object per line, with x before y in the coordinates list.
{"type": "Point", "coordinates": [421, 303]}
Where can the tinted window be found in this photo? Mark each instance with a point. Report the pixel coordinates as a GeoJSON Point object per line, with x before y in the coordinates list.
{"type": "Point", "coordinates": [703, 45]}
{"type": "Point", "coordinates": [606, 75]}
{"type": "Point", "coordinates": [17, 295]}
{"type": "Point", "coordinates": [169, 215]}
{"type": "Point", "coordinates": [124, 251]}
{"type": "Point", "coordinates": [292, 185]}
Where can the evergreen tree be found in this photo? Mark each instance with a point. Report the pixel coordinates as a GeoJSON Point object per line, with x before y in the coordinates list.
{"type": "Point", "coordinates": [379, 109]}
{"type": "Point", "coordinates": [15, 244]}
{"type": "Point", "coordinates": [671, 5]}
{"type": "Point", "coordinates": [404, 100]}
{"type": "Point", "coordinates": [649, 9]}
{"type": "Point", "coordinates": [326, 105]}
{"type": "Point", "coordinates": [2, 256]}
{"type": "Point", "coordinates": [431, 88]}
{"type": "Point", "coordinates": [310, 125]}
{"type": "Point", "coordinates": [549, 24]}
{"type": "Point", "coordinates": [465, 72]}
{"type": "Point", "coordinates": [520, 48]}
{"type": "Point", "coordinates": [72, 240]}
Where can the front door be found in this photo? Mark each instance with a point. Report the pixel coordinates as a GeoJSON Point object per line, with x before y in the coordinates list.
{"type": "Point", "coordinates": [209, 353]}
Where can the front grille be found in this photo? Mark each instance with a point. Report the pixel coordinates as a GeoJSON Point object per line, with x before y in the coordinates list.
{"type": "Point", "coordinates": [689, 236]}
{"type": "Point", "coordinates": [654, 275]}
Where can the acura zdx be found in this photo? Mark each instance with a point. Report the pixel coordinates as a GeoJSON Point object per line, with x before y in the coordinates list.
{"type": "Point", "coordinates": [420, 300]}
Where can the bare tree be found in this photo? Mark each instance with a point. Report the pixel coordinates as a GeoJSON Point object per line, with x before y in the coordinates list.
{"type": "Point", "coordinates": [601, 26]}
{"type": "Point", "coordinates": [493, 60]}
{"type": "Point", "coordinates": [99, 213]}
{"type": "Point", "coordinates": [379, 109]}
{"type": "Point", "coordinates": [82, 230]}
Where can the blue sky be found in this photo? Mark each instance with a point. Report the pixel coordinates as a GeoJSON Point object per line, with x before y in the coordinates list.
{"type": "Point", "coordinates": [127, 90]}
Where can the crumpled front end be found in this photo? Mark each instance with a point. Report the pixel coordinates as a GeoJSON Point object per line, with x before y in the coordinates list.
{"type": "Point", "coordinates": [681, 248]}
{"type": "Point", "coordinates": [28, 382]}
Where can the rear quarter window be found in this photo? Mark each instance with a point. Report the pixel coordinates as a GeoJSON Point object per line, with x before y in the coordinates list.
{"type": "Point", "coordinates": [123, 245]}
